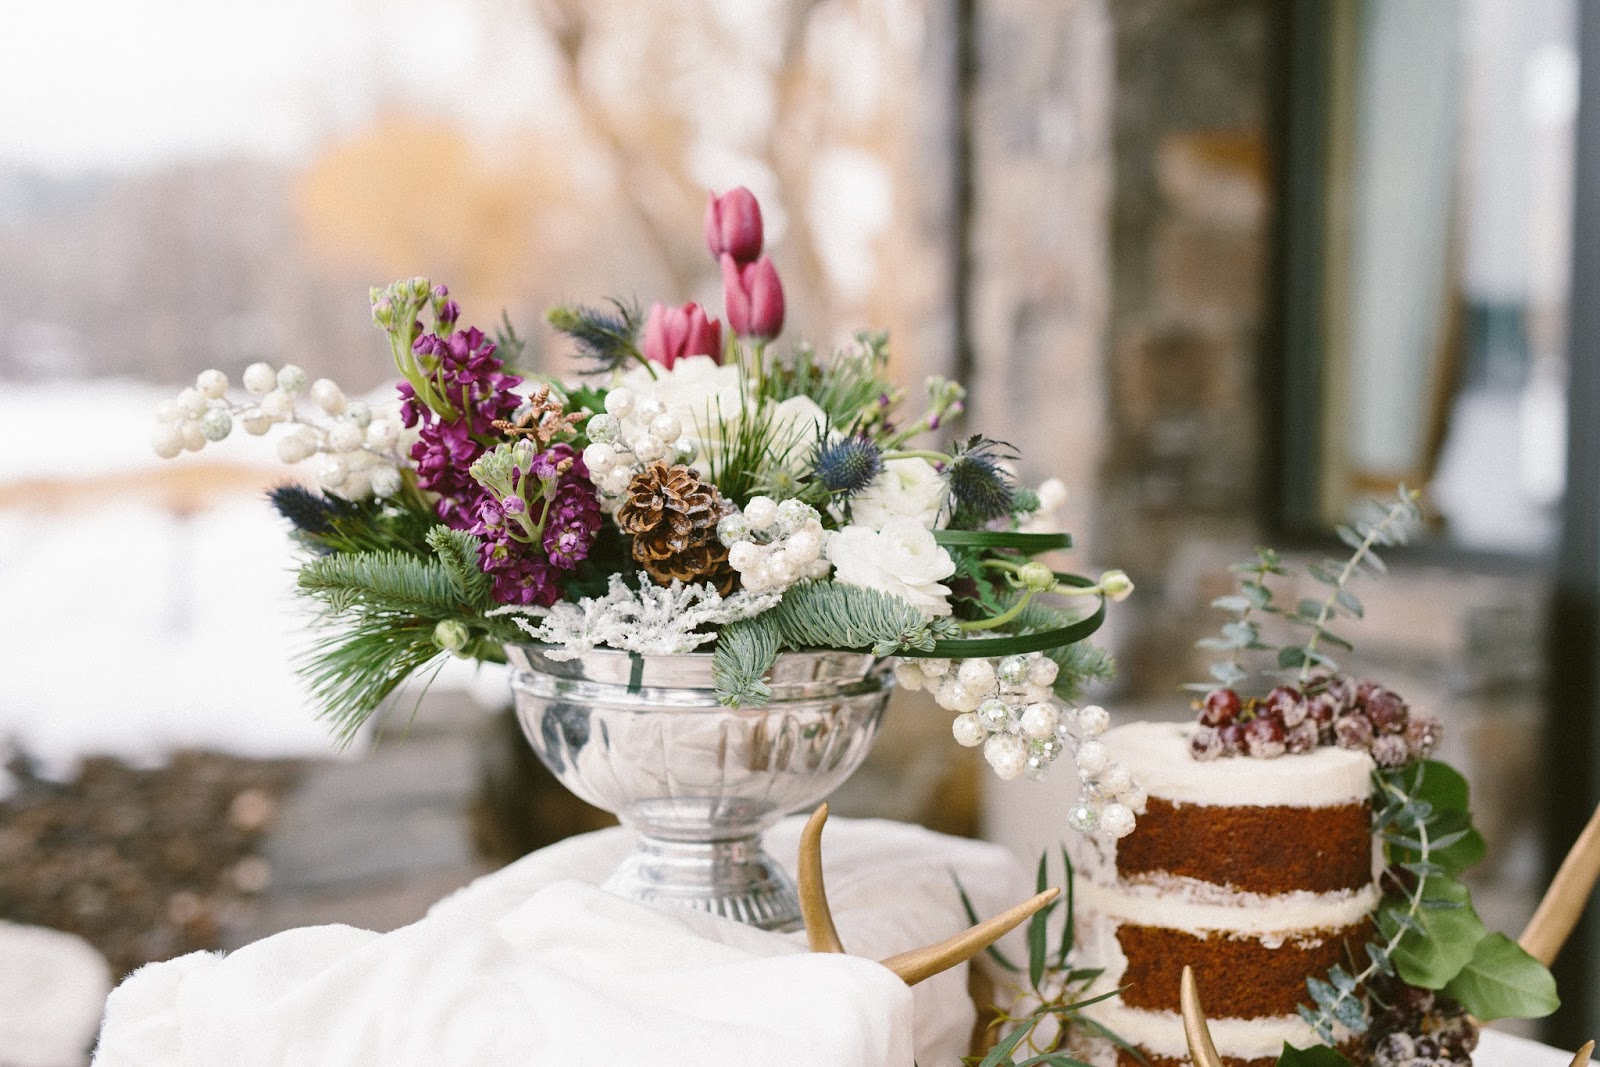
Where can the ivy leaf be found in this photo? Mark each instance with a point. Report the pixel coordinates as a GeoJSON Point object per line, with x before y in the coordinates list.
{"type": "Point", "coordinates": [1503, 982]}
{"type": "Point", "coordinates": [1315, 1056]}
{"type": "Point", "coordinates": [1438, 942]}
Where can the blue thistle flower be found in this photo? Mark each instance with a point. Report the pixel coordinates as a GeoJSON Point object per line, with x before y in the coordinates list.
{"type": "Point", "coordinates": [980, 489]}
{"type": "Point", "coordinates": [310, 512]}
{"type": "Point", "coordinates": [849, 464]}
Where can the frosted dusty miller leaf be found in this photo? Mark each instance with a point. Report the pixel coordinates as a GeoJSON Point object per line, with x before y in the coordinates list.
{"type": "Point", "coordinates": [652, 620]}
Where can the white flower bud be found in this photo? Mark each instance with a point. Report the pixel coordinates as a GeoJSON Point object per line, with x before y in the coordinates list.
{"type": "Point", "coordinates": [761, 512]}
{"type": "Point", "coordinates": [1093, 757]}
{"type": "Point", "coordinates": [216, 424]}
{"type": "Point", "coordinates": [745, 556]}
{"type": "Point", "coordinates": [599, 458]}
{"type": "Point", "coordinates": [190, 404]}
{"type": "Point", "coordinates": [167, 440]}
{"type": "Point", "coordinates": [260, 378]}
{"type": "Point", "coordinates": [803, 547]}
{"type": "Point", "coordinates": [385, 481]}
{"type": "Point", "coordinates": [278, 404]}
{"type": "Point", "coordinates": [1039, 721]}
{"type": "Point", "coordinates": [345, 437]}
{"type": "Point", "coordinates": [331, 472]}
{"type": "Point", "coordinates": [212, 384]}
{"type": "Point", "coordinates": [291, 379]}
{"type": "Point", "coordinates": [907, 675]}
{"type": "Point", "coordinates": [976, 674]}
{"type": "Point", "coordinates": [255, 422]}
{"type": "Point", "coordinates": [167, 411]}
{"type": "Point", "coordinates": [298, 446]}
{"type": "Point", "coordinates": [968, 731]}
{"type": "Point", "coordinates": [649, 448]}
{"type": "Point", "coordinates": [619, 402]}
{"type": "Point", "coordinates": [359, 412]}
{"type": "Point", "coordinates": [382, 434]}
{"type": "Point", "coordinates": [1008, 755]}
{"type": "Point", "coordinates": [666, 427]}
{"type": "Point", "coordinates": [194, 439]}
{"type": "Point", "coordinates": [327, 395]}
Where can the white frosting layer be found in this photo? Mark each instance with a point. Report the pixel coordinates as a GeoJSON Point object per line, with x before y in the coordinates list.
{"type": "Point", "coordinates": [1157, 755]}
{"type": "Point", "coordinates": [1161, 1032]}
{"type": "Point", "coordinates": [1185, 904]}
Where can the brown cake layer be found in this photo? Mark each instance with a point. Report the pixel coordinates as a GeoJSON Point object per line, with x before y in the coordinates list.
{"type": "Point", "coordinates": [1254, 849]}
{"type": "Point", "coordinates": [1242, 978]}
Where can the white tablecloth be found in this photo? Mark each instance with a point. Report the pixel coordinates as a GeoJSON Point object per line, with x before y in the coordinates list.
{"type": "Point", "coordinates": [533, 965]}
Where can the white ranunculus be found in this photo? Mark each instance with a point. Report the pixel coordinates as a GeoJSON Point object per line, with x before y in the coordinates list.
{"type": "Point", "coordinates": [702, 394]}
{"type": "Point", "coordinates": [907, 489]}
{"type": "Point", "coordinates": [901, 559]}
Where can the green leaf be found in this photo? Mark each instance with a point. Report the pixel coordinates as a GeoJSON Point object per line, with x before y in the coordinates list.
{"type": "Point", "coordinates": [1439, 784]}
{"type": "Point", "coordinates": [1235, 604]}
{"type": "Point", "coordinates": [1447, 938]}
{"type": "Point", "coordinates": [1258, 594]}
{"type": "Point", "coordinates": [1347, 601]}
{"type": "Point", "coordinates": [1001, 1053]}
{"type": "Point", "coordinates": [1315, 1056]}
{"type": "Point", "coordinates": [1291, 656]}
{"type": "Point", "coordinates": [1310, 610]}
{"type": "Point", "coordinates": [1501, 981]}
{"type": "Point", "coordinates": [1349, 536]}
{"type": "Point", "coordinates": [1037, 928]}
{"type": "Point", "coordinates": [1227, 672]}
{"type": "Point", "coordinates": [972, 918]}
{"type": "Point", "coordinates": [1322, 574]}
{"type": "Point", "coordinates": [1068, 928]}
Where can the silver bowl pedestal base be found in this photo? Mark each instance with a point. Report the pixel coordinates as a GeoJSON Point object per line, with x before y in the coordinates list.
{"type": "Point", "coordinates": [735, 879]}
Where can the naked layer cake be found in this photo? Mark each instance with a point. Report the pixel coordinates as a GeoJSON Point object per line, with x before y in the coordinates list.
{"type": "Point", "coordinates": [1259, 874]}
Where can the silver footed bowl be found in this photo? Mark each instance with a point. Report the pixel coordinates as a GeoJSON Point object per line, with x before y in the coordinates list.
{"type": "Point", "coordinates": [644, 737]}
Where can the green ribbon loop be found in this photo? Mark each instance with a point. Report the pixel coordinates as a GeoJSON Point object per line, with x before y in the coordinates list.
{"type": "Point", "coordinates": [1029, 543]}
{"type": "Point", "coordinates": [1018, 644]}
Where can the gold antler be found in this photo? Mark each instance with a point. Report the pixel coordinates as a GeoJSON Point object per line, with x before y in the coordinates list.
{"type": "Point", "coordinates": [1201, 1049]}
{"type": "Point", "coordinates": [814, 911]}
{"type": "Point", "coordinates": [1582, 1057]}
{"type": "Point", "coordinates": [918, 964]}
{"type": "Point", "coordinates": [1564, 901]}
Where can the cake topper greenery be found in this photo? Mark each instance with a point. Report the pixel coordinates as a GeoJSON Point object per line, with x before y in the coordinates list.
{"type": "Point", "coordinates": [696, 489]}
{"type": "Point", "coordinates": [1416, 991]}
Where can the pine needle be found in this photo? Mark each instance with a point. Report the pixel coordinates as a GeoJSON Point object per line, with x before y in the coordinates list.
{"type": "Point", "coordinates": [745, 652]}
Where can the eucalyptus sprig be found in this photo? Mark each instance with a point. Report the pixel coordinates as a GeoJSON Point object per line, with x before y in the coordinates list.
{"type": "Point", "coordinates": [1060, 988]}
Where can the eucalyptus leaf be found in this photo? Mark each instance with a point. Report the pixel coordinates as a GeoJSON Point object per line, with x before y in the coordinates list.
{"type": "Point", "coordinates": [1232, 603]}
{"type": "Point", "coordinates": [1257, 593]}
{"type": "Point", "coordinates": [1347, 600]}
{"type": "Point", "coordinates": [1501, 981]}
{"type": "Point", "coordinates": [1349, 536]}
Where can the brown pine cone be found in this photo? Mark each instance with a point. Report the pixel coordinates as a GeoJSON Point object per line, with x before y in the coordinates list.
{"type": "Point", "coordinates": [672, 517]}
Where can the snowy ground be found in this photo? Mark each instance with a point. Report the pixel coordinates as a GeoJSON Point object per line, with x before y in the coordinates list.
{"type": "Point", "coordinates": [129, 631]}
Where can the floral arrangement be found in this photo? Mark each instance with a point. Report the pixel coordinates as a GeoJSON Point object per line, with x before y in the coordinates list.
{"type": "Point", "coordinates": [1432, 969]}
{"type": "Point", "coordinates": [695, 489]}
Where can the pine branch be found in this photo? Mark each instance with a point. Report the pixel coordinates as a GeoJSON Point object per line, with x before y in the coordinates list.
{"type": "Point", "coordinates": [745, 652]}
{"type": "Point", "coordinates": [834, 615]}
{"type": "Point", "coordinates": [458, 553]}
{"type": "Point", "coordinates": [385, 581]}
{"type": "Point", "coordinates": [353, 669]}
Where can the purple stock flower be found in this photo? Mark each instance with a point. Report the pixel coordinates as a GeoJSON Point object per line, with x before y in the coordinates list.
{"type": "Point", "coordinates": [529, 574]}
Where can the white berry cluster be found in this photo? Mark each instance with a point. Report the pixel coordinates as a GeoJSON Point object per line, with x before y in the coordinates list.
{"type": "Point", "coordinates": [629, 436]}
{"type": "Point", "coordinates": [774, 545]}
{"type": "Point", "coordinates": [358, 453]}
{"type": "Point", "coordinates": [1007, 706]}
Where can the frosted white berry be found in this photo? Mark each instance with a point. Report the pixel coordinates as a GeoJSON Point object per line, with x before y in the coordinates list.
{"type": "Point", "coordinates": [746, 556]}
{"type": "Point", "coordinates": [907, 675]}
{"type": "Point", "coordinates": [191, 405]}
{"type": "Point", "coordinates": [1116, 780]}
{"type": "Point", "coordinates": [291, 379]}
{"type": "Point", "coordinates": [993, 714]}
{"type": "Point", "coordinates": [619, 402]}
{"type": "Point", "coordinates": [603, 428]}
{"type": "Point", "coordinates": [1116, 819]}
{"type": "Point", "coordinates": [1013, 670]}
{"type": "Point", "coordinates": [1008, 755]}
{"type": "Point", "coordinates": [935, 668]}
{"type": "Point", "coordinates": [957, 697]}
{"type": "Point", "coordinates": [255, 422]}
{"type": "Point", "coordinates": [193, 438]}
{"type": "Point", "coordinates": [754, 580]}
{"type": "Point", "coordinates": [212, 384]}
{"type": "Point", "coordinates": [327, 395]}
{"type": "Point", "coordinates": [649, 408]}
{"type": "Point", "coordinates": [1093, 758]}
{"type": "Point", "coordinates": [599, 458]}
{"type": "Point", "coordinates": [1135, 798]}
{"type": "Point", "coordinates": [804, 546]}
{"type": "Point", "coordinates": [818, 569]}
{"type": "Point", "coordinates": [968, 731]}
{"type": "Point", "coordinates": [976, 674]}
{"type": "Point", "coordinates": [167, 440]}
{"type": "Point", "coordinates": [1043, 671]}
{"type": "Point", "coordinates": [781, 569]}
{"type": "Point", "coordinates": [385, 482]}
{"type": "Point", "coordinates": [615, 483]}
{"type": "Point", "coordinates": [359, 412]}
{"type": "Point", "coordinates": [1039, 721]}
{"type": "Point", "coordinates": [356, 486]}
{"type": "Point", "coordinates": [167, 411]}
{"type": "Point", "coordinates": [382, 435]}
{"type": "Point", "coordinates": [331, 472]}
{"type": "Point", "coordinates": [345, 437]}
{"type": "Point", "coordinates": [649, 448]}
{"type": "Point", "coordinates": [297, 446]}
{"type": "Point", "coordinates": [216, 424]}
{"type": "Point", "coordinates": [1092, 720]}
{"type": "Point", "coordinates": [260, 378]}
{"type": "Point", "coordinates": [666, 427]}
{"type": "Point", "coordinates": [278, 404]}
{"type": "Point", "coordinates": [761, 512]}
{"type": "Point", "coordinates": [1083, 817]}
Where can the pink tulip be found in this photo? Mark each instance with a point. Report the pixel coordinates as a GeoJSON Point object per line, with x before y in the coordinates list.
{"type": "Point", "coordinates": [752, 297]}
{"type": "Point", "coordinates": [672, 333]}
{"type": "Point", "coordinates": [733, 225]}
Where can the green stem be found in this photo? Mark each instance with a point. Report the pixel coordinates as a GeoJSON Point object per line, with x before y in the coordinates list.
{"type": "Point", "coordinates": [998, 620]}
{"type": "Point", "coordinates": [919, 453]}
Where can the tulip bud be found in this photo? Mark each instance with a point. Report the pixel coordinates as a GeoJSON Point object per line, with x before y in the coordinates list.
{"type": "Point", "coordinates": [753, 297]}
{"type": "Point", "coordinates": [673, 333]}
{"type": "Point", "coordinates": [733, 225]}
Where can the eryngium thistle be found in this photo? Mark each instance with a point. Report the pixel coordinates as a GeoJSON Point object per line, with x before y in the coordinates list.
{"type": "Point", "coordinates": [980, 488]}
{"type": "Point", "coordinates": [849, 464]}
{"type": "Point", "coordinates": [310, 512]}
